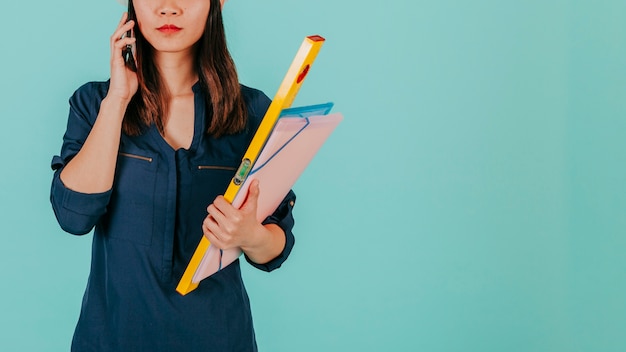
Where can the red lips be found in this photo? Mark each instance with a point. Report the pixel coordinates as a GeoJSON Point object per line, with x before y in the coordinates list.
{"type": "Point", "coordinates": [169, 28]}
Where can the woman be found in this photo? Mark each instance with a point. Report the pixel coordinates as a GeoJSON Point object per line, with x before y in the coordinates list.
{"type": "Point", "coordinates": [144, 160]}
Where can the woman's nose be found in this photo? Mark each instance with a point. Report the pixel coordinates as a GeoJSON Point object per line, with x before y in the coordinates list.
{"type": "Point", "coordinates": [169, 11]}
{"type": "Point", "coordinates": [169, 8]}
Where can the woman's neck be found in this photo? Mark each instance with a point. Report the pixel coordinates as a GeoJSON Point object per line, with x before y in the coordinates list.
{"type": "Point", "coordinates": [177, 72]}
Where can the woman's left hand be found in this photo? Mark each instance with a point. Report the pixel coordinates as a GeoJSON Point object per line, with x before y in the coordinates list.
{"type": "Point", "coordinates": [227, 227]}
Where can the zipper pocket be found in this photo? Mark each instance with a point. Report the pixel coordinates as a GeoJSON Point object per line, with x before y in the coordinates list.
{"type": "Point", "coordinates": [139, 157]}
{"type": "Point", "coordinates": [225, 168]}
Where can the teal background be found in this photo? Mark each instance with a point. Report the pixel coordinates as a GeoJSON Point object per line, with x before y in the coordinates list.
{"type": "Point", "coordinates": [472, 200]}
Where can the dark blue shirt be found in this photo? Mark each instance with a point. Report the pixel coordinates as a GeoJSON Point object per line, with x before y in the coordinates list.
{"type": "Point", "coordinates": [146, 230]}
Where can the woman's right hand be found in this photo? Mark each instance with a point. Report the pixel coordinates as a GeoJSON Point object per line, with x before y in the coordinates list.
{"type": "Point", "coordinates": [124, 83]}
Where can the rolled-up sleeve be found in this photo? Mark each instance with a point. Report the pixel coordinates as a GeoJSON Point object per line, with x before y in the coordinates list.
{"type": "Point", "coordinates": [76, 212]}
{"type": "Point", "coordinates": [283, 217]}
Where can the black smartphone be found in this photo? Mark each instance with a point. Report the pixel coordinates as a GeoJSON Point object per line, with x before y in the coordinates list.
{"type": "Point", "coordinates": [129, 58]}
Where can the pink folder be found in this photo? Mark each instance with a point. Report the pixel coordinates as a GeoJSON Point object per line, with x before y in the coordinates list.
{"type": "Point", "coordinates": [293, 143]}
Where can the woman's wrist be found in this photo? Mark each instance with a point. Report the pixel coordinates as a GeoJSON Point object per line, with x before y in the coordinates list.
{"type": "Point", "coordinates": [113, 105]}
{"type": "Point", "coordinates": [267, 243]}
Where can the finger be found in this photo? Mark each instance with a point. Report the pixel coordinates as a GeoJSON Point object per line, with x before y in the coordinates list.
{"type": "Point", "coordinates": [123, 42]}
{"type": "Point", "coordinates": [224, 207]}
{"type": "Point", "coordinates": [120, 31]}
{"type": "Point", "coordinates": [253, 196]}
{"type": "Point", "coordinates": [210, 235]}
{"type": "Point", "coordinates": [117, 51]}
{"type": "Point", "coordinates": [210, 224]}
{"type": "Point", "coordinates": [123, 19]}
{"type": "Point", "coordinates": [119, 45]}
{"type": "Point", "coordinates": [222, 225]}
{"type": "Point", "coordinates": [222, 231]}
{"type": "Point", "coordinates": [213, 233]}
{"type": "Point", "coordinates": [255, 190]}
{"type": "Point", "coordinates": [215, 214]}
{"type": "Point", "coordinates": [214, 240]}
{"type": "Point", "coordinates": [220, 202]}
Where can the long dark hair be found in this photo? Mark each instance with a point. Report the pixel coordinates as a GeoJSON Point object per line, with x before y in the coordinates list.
{"type": "Point", "coordinates": [217, 77]}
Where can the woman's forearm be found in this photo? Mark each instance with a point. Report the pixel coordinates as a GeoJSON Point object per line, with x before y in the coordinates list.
{"type": "Point", "coordinates": [92, 170]}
